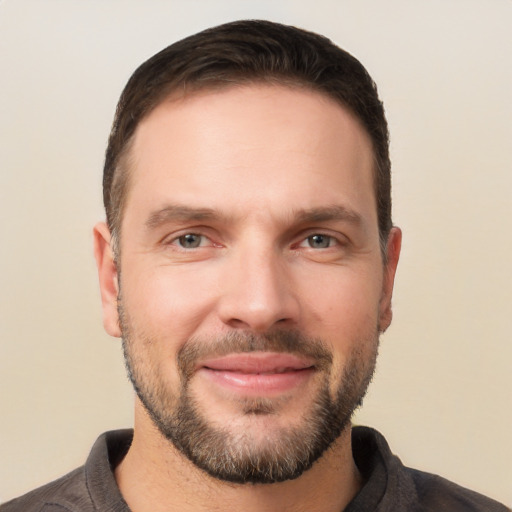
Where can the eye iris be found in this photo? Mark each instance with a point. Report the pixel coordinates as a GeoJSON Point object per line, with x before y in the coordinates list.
{"type": "Point", "coordinates": [190, 241]}
{"type": "Point", "coordinates": [319, 241]}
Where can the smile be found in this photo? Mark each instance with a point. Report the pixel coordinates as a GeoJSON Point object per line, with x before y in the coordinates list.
{"type": "Point", "coordinates": [257, 373]}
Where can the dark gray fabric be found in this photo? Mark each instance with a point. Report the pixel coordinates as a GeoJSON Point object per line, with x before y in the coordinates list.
{"type": "Point", "coordinates": [89, 488]}
{"type": "Point", "coordinates": [392, 487]}
{"type": "Point", "coordinates": [389, 487]}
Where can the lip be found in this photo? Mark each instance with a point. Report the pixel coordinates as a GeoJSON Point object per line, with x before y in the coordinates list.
{"type": "Point", "coordinates": [257, 373]}
{"type": "Point", "coordinates": [257, 362]}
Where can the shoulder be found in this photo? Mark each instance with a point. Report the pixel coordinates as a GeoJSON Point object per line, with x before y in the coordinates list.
{"type": "Point", "coordinates": [68, 493]}
{"type": "Point", "coordinates": [89, 488]}
{"type": "Point", "coordinates": [398, 488]}
{"type": "Point", "coordinates": [435, 493]}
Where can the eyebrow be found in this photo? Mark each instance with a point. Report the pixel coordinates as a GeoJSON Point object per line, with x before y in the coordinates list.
{"type": "Point", "coordinates": [329, 213]}
{"type": "Point", "coordinates": [181, 213]}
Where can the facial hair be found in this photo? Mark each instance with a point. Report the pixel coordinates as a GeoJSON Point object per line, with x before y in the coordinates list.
{"type": "Point", "coordinates": [235, 456]}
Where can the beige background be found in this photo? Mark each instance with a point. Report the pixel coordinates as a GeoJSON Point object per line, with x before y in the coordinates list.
{"type": "Point", "coordinates": [443, 393]}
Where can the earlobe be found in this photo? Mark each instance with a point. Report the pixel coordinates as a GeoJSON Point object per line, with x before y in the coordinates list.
{"type": "Point", "coordinates": [108, 278]}
{"type": "Point", "coordinates": [393, 247]}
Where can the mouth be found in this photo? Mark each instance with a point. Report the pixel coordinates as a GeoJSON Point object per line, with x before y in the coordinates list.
{"type": "Point", "coordinates": [257, 373]}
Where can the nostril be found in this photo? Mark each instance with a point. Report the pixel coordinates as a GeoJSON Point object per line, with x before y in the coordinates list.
{"type": "Point", "coordinates": [236, 322]}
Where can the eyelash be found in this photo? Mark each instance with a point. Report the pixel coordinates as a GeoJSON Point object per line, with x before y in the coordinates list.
{"type": "Point", "coordinates": [177, 241]}
{"type": "Point", "coordinates": [331, 241]}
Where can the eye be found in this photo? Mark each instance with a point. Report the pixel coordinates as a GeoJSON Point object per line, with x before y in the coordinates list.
{"type": "Point", "coordinates": [319, 241]}
{"type": "Point", "coordinates": [190, 241]}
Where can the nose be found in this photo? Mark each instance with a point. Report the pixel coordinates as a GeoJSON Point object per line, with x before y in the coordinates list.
{"type": "Point", "coordinates": [258, 292]}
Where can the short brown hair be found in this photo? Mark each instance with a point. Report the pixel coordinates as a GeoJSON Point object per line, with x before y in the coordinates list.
{"type": "Point", "coordinates": [247, 52]}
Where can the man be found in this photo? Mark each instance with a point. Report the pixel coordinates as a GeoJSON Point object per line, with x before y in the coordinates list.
{"type": "Point", "coordinates": [248, 262]}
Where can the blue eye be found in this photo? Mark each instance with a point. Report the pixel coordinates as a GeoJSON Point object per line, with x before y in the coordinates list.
{"type": "Point", "coordinates": [190, 241]}
{"type": "Point", "coordinates": [319, 241]}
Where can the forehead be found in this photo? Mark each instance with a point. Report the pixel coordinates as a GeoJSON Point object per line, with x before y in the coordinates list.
{"type": "Point", "coordinates": [251, 146]}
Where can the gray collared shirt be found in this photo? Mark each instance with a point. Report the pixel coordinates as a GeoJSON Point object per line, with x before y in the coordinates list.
{"type": "Point", "coordinates": [389, 487]}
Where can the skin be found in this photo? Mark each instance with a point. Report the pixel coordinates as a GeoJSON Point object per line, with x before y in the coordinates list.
{"type": "Point", "coordinates": [262, 159]}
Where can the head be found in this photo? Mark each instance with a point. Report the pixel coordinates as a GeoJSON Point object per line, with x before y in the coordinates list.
{"type": "Point", "coordinates": [247, 195]}
{"type": "Point", "coordinates": [246, 52]}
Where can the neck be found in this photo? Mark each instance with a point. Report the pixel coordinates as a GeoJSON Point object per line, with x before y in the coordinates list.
{"type": "Point", "coordinates": [155, 477]}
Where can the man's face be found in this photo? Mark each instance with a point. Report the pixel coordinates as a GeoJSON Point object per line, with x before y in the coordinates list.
{"type": "Point", "coordinates": [252, 287]}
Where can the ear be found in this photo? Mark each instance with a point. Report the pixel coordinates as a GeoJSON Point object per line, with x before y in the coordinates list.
{"type": "Point", "coordinates": [107, 273]}
{"type": "Point", "coordinates": [393, 247]}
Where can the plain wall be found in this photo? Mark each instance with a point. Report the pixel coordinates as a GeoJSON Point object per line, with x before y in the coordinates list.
{"type": "Point", "coordinates": [443, 391]}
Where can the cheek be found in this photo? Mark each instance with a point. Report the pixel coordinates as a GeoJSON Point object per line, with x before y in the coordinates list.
{"type": "Point", "coordinates": [348, 322]}
{"type": "Point", "coordinates": [343, 294]}
{"type": "Point", "coordinates": [162, 309]}
{"type": "Point", "coordinates": [343, 307]}
{"type": "Point", "coordinates": [168, 302]}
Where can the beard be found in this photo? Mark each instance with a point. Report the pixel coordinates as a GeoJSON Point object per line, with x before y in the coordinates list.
{"type": "Point", "coordinates": [235, 455]}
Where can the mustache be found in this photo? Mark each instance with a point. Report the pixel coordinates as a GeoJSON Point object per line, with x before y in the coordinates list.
{"type": "Point", "coordinates": [289, 341]}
